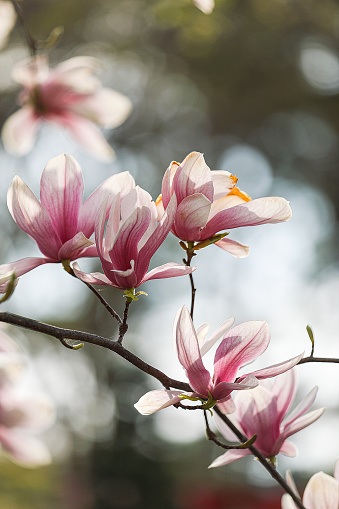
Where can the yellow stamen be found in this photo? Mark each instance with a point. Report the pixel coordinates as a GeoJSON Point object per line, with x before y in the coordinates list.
{"type": "Point", "coordinates": [159, 199]}
{"type": "Point", "coordinates": [236, 191]}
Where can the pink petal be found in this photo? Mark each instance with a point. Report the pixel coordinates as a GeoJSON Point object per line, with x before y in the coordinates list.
{"type": "Point", "coordinates": [223, 183]}
{"type": "Point", "coordinates": [222, 389]}
{"type": "Point", "coordinates": [158, 236]}
{"type": "Point", "coordinates": [260, 211]}
{"type": "Point", "coordinates": [229, 456]}
{"type": "Point", "coordinates": [22, 266]}
{"type": "Point", "coordinates": [201, 333]}
{"type": "Point", "coordinates": [191, 217]}
{"type": "Point", "coordinates": [189, 353]}
{"type": "Point", "coordinates": [125, 246]}
{"type": "Point", "coordinates": [233, 247]}
{"type": "Point", "coordinates": [287, 502]}
{"type": "Point", "coordinates": [241, 345]}
{"type": "Point", "coordinates": [61, 194]}
{"type": "Point", "coordinates": [86, 133]}
{"type": "Point", "coordinates": [122, 182]}
{"type": "Point", "coordinates": [77, 73]}
{"type": "Point", "coordinates": [168, 270]}
{"type": "Point", "coordinates": [105, 107]}
{"type": "Point", "coordinates": [302, 407]}
{"type": "Point", "coordinates": [154, 401]}
{"type": "Point", "coordinates": [74, 247]}
{"type": "Point", "coordinates": [288, 449]}
{"type": "Point", "coordinates": [94, 278]}
{"type": "Point", "coordinates": [217, 334]}
{"type": "Point", "coordinates": [19, 131]}
{"type": "Point", "coordinates": [226, 406]}
{"type": "Point", "coordinates": [321, 492]}
{"type": "Point", "coordinates": [32, 218]}
{"type": "Point", "coordinates": [193, 177]}
{"type": "Point", "coordinates": [29, 411]}
{"type": "Point", "coordinates": [276, 369]}
{"type": "Point", "coordinates": [302, 422]}
{"type": "Point", "coordinates": [284, 389]}
{"type": "Point", "coordinates": [25, 450]}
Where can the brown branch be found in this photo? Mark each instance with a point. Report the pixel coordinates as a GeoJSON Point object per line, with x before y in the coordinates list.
{"type": "Point", "coordinates": [266, 464]}
{"type": "Point", "coordinates": [123, 325]}
{"type": "Point", "coordinates": [85, 337]}
{"type": "Point", "coordinates": [318, 359]}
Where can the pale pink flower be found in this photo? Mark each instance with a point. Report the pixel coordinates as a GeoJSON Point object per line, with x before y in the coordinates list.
{"type": "Point", "coordinates": [68, 95]}
{"type": "Point", "coordinates": [321, 492]}
{"type": "Point", "coordinates": [209, 202]}
{"type": "Point", "coordinates": [133, 235]}
{"type": "Point", "coordinates": [7, 21]}
{"type": "Point", "coordinates": [23, 413]}
{"type": "Point", "coordinates": [206, 6]}
{"type": "Point", "coordinates": [61, 224]}
{"type": "Point", "coordinates": [263, 412]}
{"type": "Point", "coordinates": [241, 345]}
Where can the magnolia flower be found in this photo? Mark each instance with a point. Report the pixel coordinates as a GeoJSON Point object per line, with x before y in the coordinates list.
{"type": "Point", "coordinates": [263, 412]}
{"type": "Point", "coordinates": [7, 21]}
{"type": "Point", "coordinates": [132, 237]}
{"type": "Point", "coordinates": [68, 95]}
{"type": "Point", "coordinates": [206, 6]}
{"type": "Point", "coordinates": [22, 415]}
{"type": "Point", "coordinates": [22, 412]}
{"type": "Point", "coordinates": [61, 224]}
{"type": "Point", "coordinates": [321, 492]}
{"type": "Point", "coordinates": [241, 345]}
{"type": "Point", "coordinates": [209, 202]}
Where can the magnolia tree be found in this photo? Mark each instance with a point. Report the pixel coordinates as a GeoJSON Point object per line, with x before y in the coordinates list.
{"type": "Point", "coordinates": [121, 225]}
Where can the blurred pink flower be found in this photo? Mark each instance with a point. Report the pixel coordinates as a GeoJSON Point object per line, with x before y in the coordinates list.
{"type": "Point", "coordinates": [209, 202]}
{"type": "Point", "coordinates": [22, 412]}
{"type": "Point", "coordinates": [61, 224]}
{"type": "Point", "coordinates": [68, 95]}
{"type": "Point", "coordinates": [7, 21]}
{"type": "Point", "coordinates": [206, 6]}
{"type": "Point", "coordinates": [263, 412]}
{"type": "Point", "coordinates": [132, 237]}
{"type": "Point", "coordinates": [321, 492]}
{"type": "Point", "coordinates": [241, 345]}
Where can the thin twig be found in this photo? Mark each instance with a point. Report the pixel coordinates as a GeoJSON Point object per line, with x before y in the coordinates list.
{"type": "Point", "coordinates": [266, 464]}
{"type": "Point", "coordinates": [190, 253]}
{"type": "Point", "coordinates": [31, 43]}
{"type": "Point", "coordinates": [123, 326]}
{"type": "Point", "coordinates": [69, 270]}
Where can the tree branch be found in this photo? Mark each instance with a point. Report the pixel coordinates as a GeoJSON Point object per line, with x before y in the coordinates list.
{"type": "Point", "coordinates": [85, 337]}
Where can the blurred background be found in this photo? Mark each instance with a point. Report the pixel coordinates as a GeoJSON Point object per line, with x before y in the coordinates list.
{"type": "Point", "coordinates": [255, 87]}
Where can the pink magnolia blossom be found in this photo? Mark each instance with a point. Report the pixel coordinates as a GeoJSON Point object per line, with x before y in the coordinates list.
{"type": "Point", "coordinates": [321, 492]}
{"type": "Point", "coordinates": [206, 6]}
{"type": "Point", "coordinates": [61, 223]}
{"type": "Point", "coordinates": [209, 202]}
{"type": "Point", "coordinates": [241, 345]}
{"type": "Point", "coordinates": [132, 237]}
{"type": "Point", "coordinates": [68, 95]}
{"type": "Point", "coordinates": [263, 412]}
{"type": "Point", "coordinates": [23, 413]}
